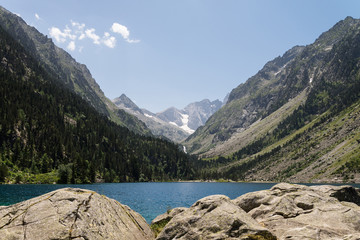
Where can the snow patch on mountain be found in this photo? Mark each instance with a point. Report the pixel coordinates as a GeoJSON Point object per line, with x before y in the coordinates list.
{"type": "Point", "coordinates": [185, 121]}
{"type": "Point", "coordinates": [147, 115]}
{"type": "Point", "coordinates": [174, 123]}
{"type": "Point", "coordinates": [280, 69]}
{"type": "Point", "coordinates": [184, 126]}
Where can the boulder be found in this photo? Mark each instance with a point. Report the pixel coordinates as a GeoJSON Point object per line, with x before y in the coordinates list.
{"type": "Point", "coordinates": [214, 217]}
{"type": "Point", "coordinates": [72, 214]}
{"type": "Point", "coordinates": [160, 221]}
{"type": "Point", "coordinates": [300, 212]}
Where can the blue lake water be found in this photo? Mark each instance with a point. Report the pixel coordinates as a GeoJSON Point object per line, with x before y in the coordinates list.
{"type": "Point", "coordinates": [148, 199]}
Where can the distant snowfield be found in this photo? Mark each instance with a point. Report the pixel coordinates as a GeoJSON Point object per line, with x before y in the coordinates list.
{"type": "Point", "coordinates": [147, 115]}
{"type": "Point", "coordinates": [185, 121]}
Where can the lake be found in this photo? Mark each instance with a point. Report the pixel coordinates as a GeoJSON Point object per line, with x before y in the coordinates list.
{"type": "Point", "coordinates": [148, 199]}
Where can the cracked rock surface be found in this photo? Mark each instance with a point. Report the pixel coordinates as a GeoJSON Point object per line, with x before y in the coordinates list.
{"type": "Point", "coordinates": [72, 214]}
{"type": "Point", "coordinates": [293, 211]}
{"type": "Point", "coordinates": [214, 217]}
{"type": "Point", "coordinates": [286, 211]}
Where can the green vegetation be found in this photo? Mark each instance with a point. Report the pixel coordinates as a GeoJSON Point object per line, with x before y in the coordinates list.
{"type": "Point", "coordinates": [59, 65]}
{"type": "Point", "coordinates": [159, 226]}
{"type": "Point", "coordinates": [50, 134]}
{"type": "Point", "coordinates": [299, 118]}
{"type": "Point", "coordinates": [319, 139]}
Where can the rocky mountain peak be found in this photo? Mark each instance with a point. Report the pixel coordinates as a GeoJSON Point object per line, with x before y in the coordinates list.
{"type": "Point", "coordinates": [281, 86]}
{"type": "Point", "coordinates": [337, 32]}
{"type": "Point", "coordinates": [126, 103]}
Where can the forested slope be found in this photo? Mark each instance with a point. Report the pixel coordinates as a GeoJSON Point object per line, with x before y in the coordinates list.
{"type": "Point", "coordinates": [299, 122]}
{"type": "Point", "coordinates": [48, 133]}
{"type": "Point", "coordinates": [62, 67]}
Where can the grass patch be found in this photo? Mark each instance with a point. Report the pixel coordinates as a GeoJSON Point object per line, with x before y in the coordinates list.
{"type": "Point", "coordinates": [159, 226]}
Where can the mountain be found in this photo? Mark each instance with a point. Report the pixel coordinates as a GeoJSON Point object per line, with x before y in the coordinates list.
{"type": "Point", "coordinates": [296, 120]}
{"type": "Point", "coordinates": [192, 116]}
{"type": "Point", "coordinates": [48, 133]}
{"type": "Point", "coordinates": [63, 67]}
{"type": "Point", "coordinates": [124, 102]}
{"type": "Point", "coordinates": [249, 102]}
{"type": "Point", "coordinates": [172, 123]}
{"type": "Point", "coordinates": [157, 126]}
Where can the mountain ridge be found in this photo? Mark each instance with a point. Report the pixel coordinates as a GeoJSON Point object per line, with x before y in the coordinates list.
{"type": "Point", "coordinates": [66, 69]}
{"type": "Point", "coordinates": [49, 133]}
{"type": "Point", "coordinates": [275, 84]}
{"type": "Point", "coordinates": [171, 123]}
{"type": "Point", "coordinates": [274, 126]}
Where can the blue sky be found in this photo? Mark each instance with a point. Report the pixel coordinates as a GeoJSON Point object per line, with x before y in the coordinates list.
{"type": "Point", "coordinates": [164, 53]}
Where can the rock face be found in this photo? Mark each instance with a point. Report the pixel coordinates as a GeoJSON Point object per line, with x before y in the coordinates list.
{"type": "Point", "coordinates": [300, 212]}
{"type": "Point", "coordinates": [286, 211]}
{"type": "Point", "coordinates": [72, 214]}
{"type": "Point", "coordinates": [214, 217]}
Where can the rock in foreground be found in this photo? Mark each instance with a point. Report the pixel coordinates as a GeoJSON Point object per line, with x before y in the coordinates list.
{"type": "Point", "coordinates": [300, 212]}
{"type": "Point", "coordinates": [214, 217]}
{"type": "Point", "coordinates": [72, 214]}
{"type": "Point", "coordinates": [286, 211]}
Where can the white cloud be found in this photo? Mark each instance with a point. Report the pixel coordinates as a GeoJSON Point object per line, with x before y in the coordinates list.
{"type": "Point", "coordinates": [78, 31]}
{"type": "Point", "coordinates": [61, 36]}
{"type": "Point", "coordinates": [118, 28]}
{"type": "Point", "coordinates": [132, 41]}
{"type": "Point", "coordinates": [57, 34]}
{"type": "Point", "coordinates": [82, 36]}
{"type": "Point", "coordinates": [68, 33]}
{"type": "Point", "coordinates": [37, 16]}
{"type": "Point", "coordinates": [123, 31]}
{"type": "Point", "coordinates": [71, 46]}
{"type": "Point", "coordinates": [77, 25]}
{"type": "Point", "coordinates": [108, 40]}
{"type": "Point", "coordinates": [90, 33]}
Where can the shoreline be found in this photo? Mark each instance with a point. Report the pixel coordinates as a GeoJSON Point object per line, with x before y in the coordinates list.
{"type": "Point", "coordinates": [187, 181]}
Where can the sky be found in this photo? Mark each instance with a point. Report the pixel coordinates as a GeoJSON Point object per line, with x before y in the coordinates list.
{"type": "Point", "coordinates": [167, 53]}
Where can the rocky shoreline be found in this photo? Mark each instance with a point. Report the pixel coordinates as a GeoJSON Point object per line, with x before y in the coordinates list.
{"type": "Point", "coordinates": [286, 211]}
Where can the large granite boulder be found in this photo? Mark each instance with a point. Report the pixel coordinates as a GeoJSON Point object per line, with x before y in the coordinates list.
{"type": "Point", "coordinates": [72, 214]}
{"type": "Point", "coordinates": [213, 217]}
{"type": "Point", "coordinates": [158, 224]}
{"type": "Point", "coordinates": [300, 212]}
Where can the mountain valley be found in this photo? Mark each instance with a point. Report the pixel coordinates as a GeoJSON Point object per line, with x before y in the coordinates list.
{"type": "Point", "coordinates": [56, 125]}
{"type": "Point", "coordinates": [296, 120]}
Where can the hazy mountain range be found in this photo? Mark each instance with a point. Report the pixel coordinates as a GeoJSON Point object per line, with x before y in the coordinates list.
{"type": "Point", "coordinates": [172, 123]}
